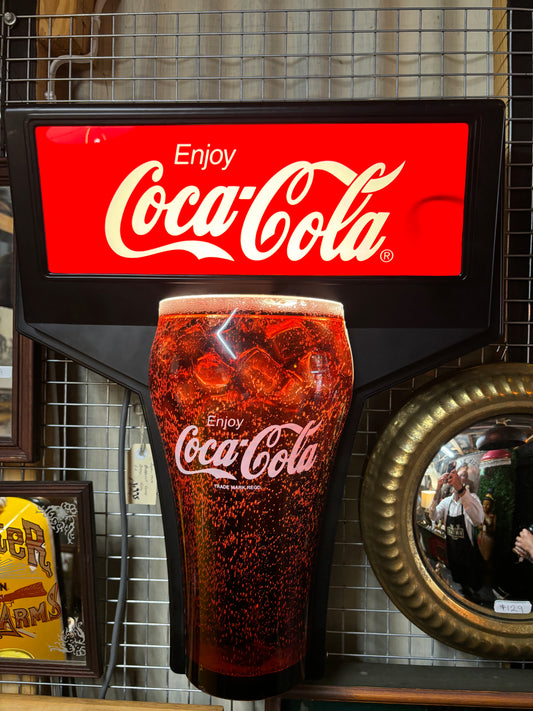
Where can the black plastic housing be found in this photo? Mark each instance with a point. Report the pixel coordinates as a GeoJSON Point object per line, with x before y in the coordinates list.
{"type": "Point", "coordinates": [398, 326]}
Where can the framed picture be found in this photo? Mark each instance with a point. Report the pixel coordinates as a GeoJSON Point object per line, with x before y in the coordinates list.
{"type": "Point", "coordinates": [18, 359]}
{"type": "Point", "coordinates": [47, 597]}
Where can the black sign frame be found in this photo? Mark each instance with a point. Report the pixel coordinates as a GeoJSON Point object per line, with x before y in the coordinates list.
{"type": "Point", "coordinates": [398, 326]}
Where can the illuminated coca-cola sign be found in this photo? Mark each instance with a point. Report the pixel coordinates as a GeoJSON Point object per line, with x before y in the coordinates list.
{"type": "Point", "coordinates": [391, 207]}
{"type": "Point", "coordinates": [313, 199]}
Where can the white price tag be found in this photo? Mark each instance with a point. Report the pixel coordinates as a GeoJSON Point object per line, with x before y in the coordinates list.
{"type": "Point", "coordinates": [512, 607]}
{"type": "Point", "coordinates": [140, 476]}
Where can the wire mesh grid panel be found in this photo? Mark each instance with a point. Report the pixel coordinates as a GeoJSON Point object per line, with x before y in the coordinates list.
{"type": "Point", "coordinates": [227, 54]}
{"type": "Point", "coordinates": [139, 51]}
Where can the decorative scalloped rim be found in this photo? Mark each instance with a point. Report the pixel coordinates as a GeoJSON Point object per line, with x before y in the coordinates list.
{"type": "Point", "coordinates": [391, 481]}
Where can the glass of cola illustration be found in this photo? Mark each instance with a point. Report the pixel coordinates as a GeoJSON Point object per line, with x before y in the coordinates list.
{"type": "Point", "coordinates": [251, 394]}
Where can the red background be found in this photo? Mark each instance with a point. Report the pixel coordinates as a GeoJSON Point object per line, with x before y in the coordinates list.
{"type": "Point", "coordinates": [81, 168]}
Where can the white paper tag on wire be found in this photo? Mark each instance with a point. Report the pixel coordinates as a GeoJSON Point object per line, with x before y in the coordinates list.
{"type": "Point", "coordinates": [140, 476]}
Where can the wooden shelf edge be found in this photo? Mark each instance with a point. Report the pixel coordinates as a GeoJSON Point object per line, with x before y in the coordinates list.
{"type": "Point", "coordinates": [465, 686]}
{"type": "Point", "coordinates": [428, 697]}
{"type": "Point", "coordinates": [51, 703]}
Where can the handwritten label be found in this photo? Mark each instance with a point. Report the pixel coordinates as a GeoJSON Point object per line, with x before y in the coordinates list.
{"type": "Point", "coordinates": [140, 476]}
{"type": "Point", "coordinates": [512, 607]}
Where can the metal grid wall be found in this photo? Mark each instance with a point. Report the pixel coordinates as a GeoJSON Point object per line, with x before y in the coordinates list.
{"type": "Point", "coordinates": [254, 53]}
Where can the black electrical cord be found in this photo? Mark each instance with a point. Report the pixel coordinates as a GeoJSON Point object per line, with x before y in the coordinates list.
{"type": "Point", "coordinates": [122, 589]}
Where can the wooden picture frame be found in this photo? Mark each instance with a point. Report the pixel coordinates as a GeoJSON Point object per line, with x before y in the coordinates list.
{"type": "Point", "coordinates": [47, 583]}
{"type": "Point", "coordinates": [19, 406]}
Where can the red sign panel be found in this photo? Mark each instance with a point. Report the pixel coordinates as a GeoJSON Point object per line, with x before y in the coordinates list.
{"type": "Point", "coordinates": [254, 199]}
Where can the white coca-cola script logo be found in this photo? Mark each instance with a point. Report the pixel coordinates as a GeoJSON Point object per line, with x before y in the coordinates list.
{"type": "Point", "coordinates": [257, 456]}
{"type": "Point", "coordinates": [219, 208]}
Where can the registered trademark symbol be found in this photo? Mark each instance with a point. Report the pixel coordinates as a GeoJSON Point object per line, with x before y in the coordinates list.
{"type": "Point", "coordinates": [387, 255]}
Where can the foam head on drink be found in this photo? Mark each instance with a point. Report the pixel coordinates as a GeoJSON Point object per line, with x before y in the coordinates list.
{"type": "Point", "coordinates": [251, 395]}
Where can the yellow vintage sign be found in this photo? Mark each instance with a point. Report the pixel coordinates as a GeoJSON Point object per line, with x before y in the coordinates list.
{"type": "Point", "coordinates": [31, 617]}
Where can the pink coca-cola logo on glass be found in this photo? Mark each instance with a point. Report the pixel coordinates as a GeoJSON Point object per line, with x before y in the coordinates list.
{"type": "Point", "coordinates": [253, 457]}
{"type": "Point", "coordinates": [299, 199]}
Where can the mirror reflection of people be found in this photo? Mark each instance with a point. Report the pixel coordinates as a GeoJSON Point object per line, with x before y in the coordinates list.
{"type": "Point", "coordinates": [463, 472]}
{"type": "Point", "coordinates": [524, 545]}
{"type": "Point", "coordinates": [473, 477]}
{"type": "Point", "coordinates": [461, 513]}
{"type": "Point", "coordinates": [487, 534]}
{"type": "Point", "coordinates": [446, 489]}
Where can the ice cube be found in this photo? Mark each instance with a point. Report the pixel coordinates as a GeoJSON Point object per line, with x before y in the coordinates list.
{"type": "Point", "coordinates": [186, 393]}
{"type": "Point", "coordinates": [316, 371]}
{"type": "Point", "coordinates": [293, 392]}
{"type": "Point", "coordinates": [212, 372]}
{"type": "Point", "coordinates": [191, 342]}
{"type": "Point", "coordinates": [259, 372]}
{"type": "Point", "coordinates": [223, 404]}
{"type": "Point", "coordinates": [314, 363]}
{"type": "Point", "coordinates": [287, 338]}
{"type": "Point", "coordinates": [226, 400]}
